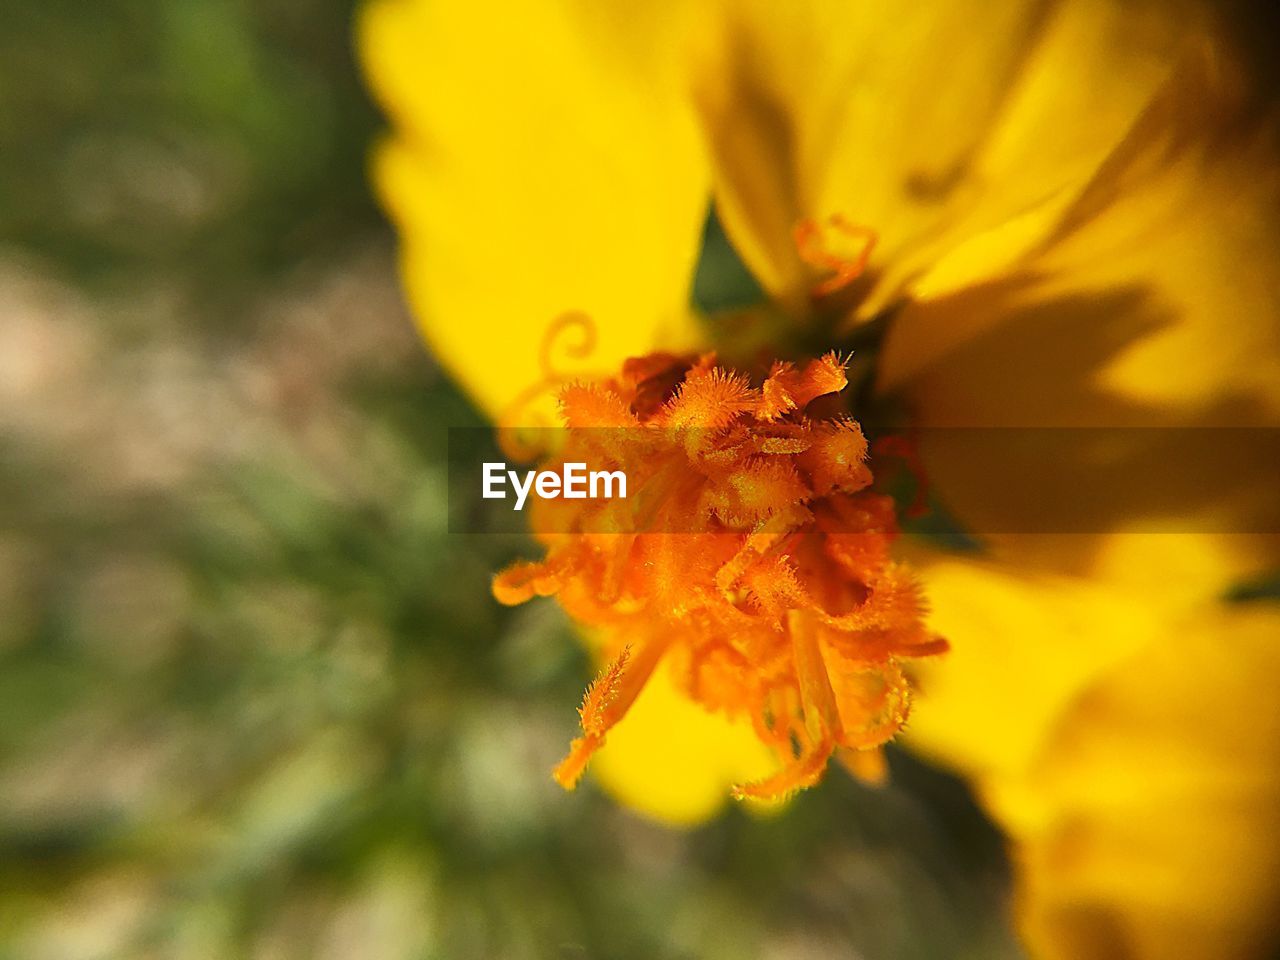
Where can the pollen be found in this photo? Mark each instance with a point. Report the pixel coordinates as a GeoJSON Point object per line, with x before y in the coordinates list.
{"type": "Point", "coordinates": [754, 560]}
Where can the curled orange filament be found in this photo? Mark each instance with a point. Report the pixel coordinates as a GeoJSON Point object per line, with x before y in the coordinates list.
{"type": "Point", "coordinates": [818, 245]}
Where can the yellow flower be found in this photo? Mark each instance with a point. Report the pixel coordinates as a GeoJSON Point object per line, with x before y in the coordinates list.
{"type": "Point", "coordinates": [1075, 226]}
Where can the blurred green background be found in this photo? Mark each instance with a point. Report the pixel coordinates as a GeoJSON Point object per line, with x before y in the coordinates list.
{"type": "Point", "coordinates": [255, 701]}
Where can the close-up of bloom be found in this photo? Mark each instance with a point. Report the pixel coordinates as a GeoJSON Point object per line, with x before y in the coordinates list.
{"type": "Point", "coordinates": [708, 479]}
{"type": "Point", "coordinates": [1055, 221]}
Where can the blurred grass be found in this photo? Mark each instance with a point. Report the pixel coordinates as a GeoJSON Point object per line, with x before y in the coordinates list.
{"type": "Point", "coordinates": [255, 701]}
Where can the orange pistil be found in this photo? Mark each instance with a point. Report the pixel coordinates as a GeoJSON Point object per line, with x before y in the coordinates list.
{"type": "Point", "coordinates": [750, 556]}
{"type": "Point", "coordinates": [825, 247]}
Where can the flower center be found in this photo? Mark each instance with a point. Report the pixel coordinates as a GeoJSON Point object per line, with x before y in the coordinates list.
{"type": "Point", "coordinates": [753, 558]}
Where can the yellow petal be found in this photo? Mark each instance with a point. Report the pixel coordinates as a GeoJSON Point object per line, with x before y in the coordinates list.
{"type": "Point", "coordinates": [1108, 92]}
{"type": "Point", "coordinates": [1022, 647]}
{"type": "Point", "coordinates": [1151, 308]}
{"type": "Point", "coordinates": [1026, 642]}
{"type": "Point", "coordinates": [1121, 728]}
{"type": "Point", "coordinates": [544, 162]}
{"type": "Point", "coordinates": [674, 761]}
{"type": "Point", "coordinates": [909, 120]}
{"type": "Point", "coordinates": [1198, 239]}
{"type": "Point", "coordinates": [1150, 256]}
{"type": "Point", "coordinates": [1150, 827]}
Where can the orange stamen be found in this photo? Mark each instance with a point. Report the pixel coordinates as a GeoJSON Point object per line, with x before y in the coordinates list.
{"type": "Point", "coordinates": [754, 558]}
